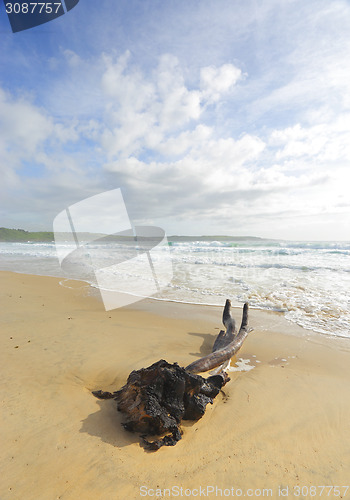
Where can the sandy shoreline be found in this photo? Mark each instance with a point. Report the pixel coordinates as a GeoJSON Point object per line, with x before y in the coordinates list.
{"type": "Point", "coordinates": [285, 423]}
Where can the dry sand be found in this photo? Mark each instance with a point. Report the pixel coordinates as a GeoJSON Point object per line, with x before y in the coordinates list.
{"type": "Point", "coordinates": [285, 423]}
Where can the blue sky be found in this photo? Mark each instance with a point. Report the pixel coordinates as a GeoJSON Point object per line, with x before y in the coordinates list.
{"type": "Point", "coordinates": [214, 117]}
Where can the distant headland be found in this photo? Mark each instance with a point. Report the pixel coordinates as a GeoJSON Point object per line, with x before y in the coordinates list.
{"type": "Point", "coordinates": [14, 235]}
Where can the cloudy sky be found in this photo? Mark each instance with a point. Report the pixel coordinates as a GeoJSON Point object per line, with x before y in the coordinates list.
{"type": "Point", "coordinates": [213, 116]}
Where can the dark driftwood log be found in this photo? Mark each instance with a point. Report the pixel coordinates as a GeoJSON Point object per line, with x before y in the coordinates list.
{"type": "Point", "coordinates": [155, 399]}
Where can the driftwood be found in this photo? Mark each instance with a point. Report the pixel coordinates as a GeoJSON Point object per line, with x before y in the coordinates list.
{"type": "Point", "coordinates": [226, 344]}
{"type": "Point", "coordinates": [155, 399]}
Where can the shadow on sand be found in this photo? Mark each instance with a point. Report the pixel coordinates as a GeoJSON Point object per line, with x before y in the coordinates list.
{"type": "Point", "coordinates": [106, 424]}
{"type": "Point", "coordinates": [207, 345]}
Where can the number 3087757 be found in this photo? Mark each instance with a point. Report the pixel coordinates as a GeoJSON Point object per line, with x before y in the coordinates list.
{"type": "Point", "coordinates": [33, 8]}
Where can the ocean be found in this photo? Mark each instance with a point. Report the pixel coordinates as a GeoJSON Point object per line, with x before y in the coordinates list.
{"type": "Point", "coordinates": [308, 281]}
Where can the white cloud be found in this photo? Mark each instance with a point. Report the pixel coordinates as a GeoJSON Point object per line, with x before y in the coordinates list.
{"type": "Point", "coordinates": [176, 104]}
{"type": "Point", "coordinates": [217, 81]}
{"type": "Point", "coordinates": [23, 127]}
{"type": "Point", "coordinates": [153, 112]}
{"type": "Point", "coordinates": [180, 144]}
{"type": "Point", "coordinates": [126, 85]}
{"type": "Point", "coordinates": [322, 143]}
{"type": "Point", "coordinates": [37, 173]}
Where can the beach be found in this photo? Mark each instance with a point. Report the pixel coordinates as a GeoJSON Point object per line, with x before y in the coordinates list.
{"type": "Point", "coordinates": [281, 426]}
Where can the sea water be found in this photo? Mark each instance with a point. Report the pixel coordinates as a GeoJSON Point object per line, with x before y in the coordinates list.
{"type": "Point", "coordinates": [308, 281]}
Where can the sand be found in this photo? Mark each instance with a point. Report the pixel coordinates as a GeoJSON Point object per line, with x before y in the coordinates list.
{"type": "Point", "coordinates": [282, 425]}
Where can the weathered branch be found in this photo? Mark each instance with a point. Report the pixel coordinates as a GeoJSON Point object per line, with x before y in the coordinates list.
{"type": "Point", "coordinates": [225, 337]}
{"type": "Point", "coordinates": [226, 352]}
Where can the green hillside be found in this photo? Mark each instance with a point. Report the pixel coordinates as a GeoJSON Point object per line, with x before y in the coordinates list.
{"type": "Point", "coordinates": [22, 235]}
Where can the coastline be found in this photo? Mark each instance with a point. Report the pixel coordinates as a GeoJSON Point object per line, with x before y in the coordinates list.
{"type": "Point", "coordinates": [307, 281]}
{"type": "Point", "coordinates": [282, 424]}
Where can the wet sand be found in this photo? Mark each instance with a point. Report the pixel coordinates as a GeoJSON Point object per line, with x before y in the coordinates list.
{"type": "Point", "coordinates": [283, 424]}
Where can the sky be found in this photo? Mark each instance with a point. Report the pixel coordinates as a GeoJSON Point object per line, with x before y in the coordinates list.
{"type": "Point", "coordinates": [212, 116]}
